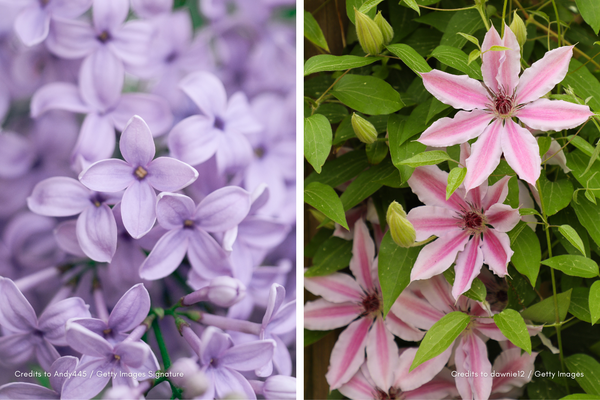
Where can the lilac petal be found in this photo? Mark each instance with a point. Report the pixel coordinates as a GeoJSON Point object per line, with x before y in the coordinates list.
{"type": "Point", "coordinates": [496, 251]}
{"type": "Point", "coordinates": [403, 330]}
{"type": "Point", "coordinates": [16, 314]}
{"type": "Point", "coordinates": [239, 117]}
{"type": "Point", "coordinates": [16, 349]}
{"type": "Point", "coordinates": [262, 233]}
{"type": "Point", "coordinates": [46, 354]}
{"type": "Point", "coordinates": [32, 24]}
{"type": "Point", "coordinates": [471, 355]}
{"type": "Point", "coordinates": [17, 155]}
{"type": "Point", "coordinates": [130, 310]}
{"type": "Point", "coordinates": [234, 152]}
{"type": "Point", "coordinates": [173, 209]}
{"type": "Point", "coordinates": [459, 91]}
{"type": "Point", "coordinates": [148, 9]}
{"type": "Point", "coordinates": [382, 354]}
{"type": "Point", "coordinates": [553, 115]}
{"type": "Point", "coordinates": [363, 253]}
{"type": "Point", "coordinates": [169, 174]}
{"type": "Point", "coordinates": [348, 353]}
{"type": "Point", "coordinates": [248, 356]}
{"type": "Point", "coordinates": [63, 365]}
{"type": "Point", "coordinates": [508, 72]}
{"type": "Point", "coordinates": [58, 96]}
{"type": "Point", "coordinates": [282, 359]}
{"type": "Point", "coordinates": [101, 79]}
{"type": "Point", "coordinates": [206, 256]}
{"type": "Point", "coordinates": [166, 255]}
{"type": "Point", "coordinates": [80, 386]}
{"type": "Point", "coordinates": [53, 320]}
{"type": "Point", "coordinates": [275, 300]}
{"type": "Point", "coordinates": [502, 217]}
{"type": "Point", "coordinates": [194, 140]}
{"type": "Point", "coordinates": [59, 196]}
{"type": "Point", "coordinates": [285, 319]}
{"type": "Point", "coordinates": [109, 14]}
{"type": "Point", "coordinates": [214, 342]}
{"type": "Point", "coordinates": [96, 141]}
{"type": "Point", "coordinates": [97, 233]}
{"type": "Point", "coordinates": [131, 43]}
{"type": "Point", "coordinates": [93, 324]}
{"type": "Point", "coordinates": [544, 74]}
{"type": "Point", "coordinates": [71, 39]}
{"type": "Point", "coordinates": [429, 183]}
{"type": "Point", "coordinates": [111, 175]}
{"type": "Point", "coordinates": [485, 156]}
{"type": "Point", "coordinates": [415, 310]}
{"type": "Point", "coordinates": [88, 342]}
{"type": "Point", "coordinates": [136, 144]}
{"type": "Point", "coordinates": [432, 220]}
{"type": "Point", "coordinates": [228, 381]}
{"type": "Point", "coordinates": [509, 364]}
{"type": "Point", "coordinates": [132, 354]}
{"type": "Point", "coordinates": [462, 127]}
{"type": "Point", "coordinates": [423, 373]}
{"type": "Point", "coordinates": [491, 59]}
{"type": "Point", "coordinates": [336, 287]}
{"type": "Point", "coordinates": [66, 238]}
{"type": "Point", "coordinates": [138, 209]}
{"type": "Point", "coordinates": [321, 315]}
{"type": "Point", "coordinates": [207, 91]}
{"type": "Point", "coordinates": [223, 209]}
{"type": "Point", "coordinates": [496, 193]}
{"type": "Point", "coordinates": [69, 8]}
{"type": "Point", "coordinates": [521, 152]}
{"type": "Point", "coordinates": [468, 265]}
{"type": "Point", "coordinates": [437, 257]}
{"type": "Point", "coordinates": [26, 391]}
{"type": "Point", "coordinates": [152, 109]}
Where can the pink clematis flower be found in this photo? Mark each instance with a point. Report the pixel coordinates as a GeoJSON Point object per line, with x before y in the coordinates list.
{"type": "Point", "coordinates": [470, 231]}
{"type": "Point", "coordinates": [502, 96]}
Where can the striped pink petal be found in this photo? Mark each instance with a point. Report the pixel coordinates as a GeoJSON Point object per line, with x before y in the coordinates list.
{"type": "Point", "coordinates": [321, 315]}
{"type": "Point", "coordinates": [423, 373]}
{"type": "Point", "coordinates": [485, 156]}
{"type": "Point", "coordinates": [403, 330]}
{"type": "Point", "coordinates": [336, 288]}
{"type": "Point", "coordinates": [358, 387]}
{"type": "Point", "coordinates": [496, 193]}
{"type": "Point", "coordinates": [382, 354]}
{"type": "Point", "coordinates": [432, 220]}
{"type": "Point", "coordinates": [440, 387]}
{"type": "Point", "coordinates": [459, 91]}
{"type": "Point", "coordinates": [450, 131]}
{"type": "Point", "coordinates": [438, 256]}
{"type": "Point", "coordinates": [468, 265]}
{"type": "Point", "coordinates": [491, 59]}
{"type": "Point", "coordinates": [348, 353]}
{"type": "Point", "coordinates": [502, 217]}
{"type": "Point", "coordinates": [429, 183]}
{"type": "Point", "coordinates": [512, 360]}
{"type": "Point", "coordinates": [508, 71]}
{"type": "Point", "coordinates": [521, 152]}
{"type": "Point", "coordinates": [415, 310]}
{"type": "Point", "coordinates": [363, 253]}
{"type": "Point", "coordinates": [471, 358]}
{"type": "Point", "coordinates": [487, 327]}
{"type": "Point", "coordinates": [438, 292]}
{"type": "Point", "coordinates": [496, 251]}
{"type": "Point", "coordinates": [553, 115]}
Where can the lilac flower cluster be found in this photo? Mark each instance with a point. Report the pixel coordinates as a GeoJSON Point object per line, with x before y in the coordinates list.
{"type": "Point", "coordinates": [147, 186]}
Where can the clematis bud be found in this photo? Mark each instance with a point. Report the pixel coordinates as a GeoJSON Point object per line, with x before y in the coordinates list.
{"type": "Point", "coordinates": [519, 29]}
{"type": "Point", "coordinates": [364, 130]}
{"type": "Point", "coordinates": [386, 29]}
{"type": "Point", "coordinates": [223, 291]}
{"type": "Point", "coordinates": [401, 229]}
{"type": "Point", "coordinates": [369, 34]}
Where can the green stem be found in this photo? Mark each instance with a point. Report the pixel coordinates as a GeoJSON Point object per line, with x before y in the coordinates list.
{"type": "Point", "coordinates": [504, 16]}
{"type": "Point", "coordinates": [559, 37]}
{"type": "Point", "coordinates": [161, 345]}
{"type": "Point", "coordinates": [481, 10]}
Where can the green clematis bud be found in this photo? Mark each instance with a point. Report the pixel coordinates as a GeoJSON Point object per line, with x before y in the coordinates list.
{"type": "Point", "coordinates": [364, 130]}
{"type": "Point", "coordinates": [386, 29]}
{"type": "Point", "coordinates": [369, 34]}
{"type": "Point", "coordinates": [401, 229]}
{"type": "Point", "coordinates": [519, 29]}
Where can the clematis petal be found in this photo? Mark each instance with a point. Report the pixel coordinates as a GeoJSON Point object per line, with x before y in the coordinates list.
{"type": "Point", "coordinates": [130, 310]}
{"type": "Point", "coordinates": [336, 287]}
{"type": "Point", "coordinates": [136, 144]}
{"type": "Point", "coordinates": [132, 354]}
{"type": "Point", "coordinates": [248, 356]}
{"type": "Point", "coordinates": [16, 314]}
{"type": "Point", "coordinates": [485, 156]}
{"type": "Point", "coordinates": [46, 354]}
{"type": "Point", "coordinates": [489, 328]}
{"type": "Point", "coordinates": [97, 233]}
{"type": "Point", "coordinates": [558, 157]}
{"type": "Point", "coordinates": [553, 115]}
{"type": "Point", "coordinates": [170, 175]}
{"type": "Point", "coordinates": [359, 387]}
{"type": "Point", "coordinates": [496, 193]}
{"type": "Point", "coordinates": [109, 14]}
{"type": "Point", "coordinates": [508, 71]}
{"type": "Point", "coordinates": [138, 209]}
{"type": "Point", "coordinates": [321, 315]}
{"type": "Point", "coordinates": [58, 96]}
{"type": "Point", "coordinates": [154, 110]}
{"type": "Point", "coordinates": [423, 373]}
{"type": "Point", "coordinates": [207, 91]}
{"type": "Point", "coordinates": [415, 310]}
{"type": "Point", "coordinates": [166, 255]}
{"type": "Point", "coordinates": [509, 364]}
{"type": "Point", "coordinates": [438, 292]}
{"type": "Point", "coordinates": [223, 209]}
{"type": "Point", "coordinates": [363, 253]}
{"type": "Point", "coordinates": [80, 386]}
{"type": "Point", "coordinates": [440, 387]}
{"type": "Point", "coordinates": [382, 354]}
{"type": "Point", "coordinates": [429, 183]}
{"type": "Point", "coordinates": [101, 78]}
{"type": "Point", "coordinates": [491, 59]}
{"type": "Point", "coordinates": [471, 356]}
{"type": "Point", "coordinates": [468, 265]}
{"type": "Point", "coordinates": [206, 255]}
{"type": "Point", "coordinates": [22, 390]}
{"type": "Point", "coordinates": [432, 220]}
{"type": "Point", "coordinates": [16, 349]}
{"type": "Point", "coordinates": [348, 353]}
{"type": "Point", "coordinates": [32, 24]}
{"type": "Point", "coordinates": [521, 152]}
{"type": "Point", "coordinates": [194, 140]}
{"type": "Point", "coordinates": [502, 217]}
{"type": "Point", "coordinates": [172, 210]}
{"type": "Point", "coordinates": [544, 74]}
{"type": "Point", "coordinates": [459, 91]}
{"type": "Point", "coordinates": [54, 318]}
{"type": "Point", "coordinates": [438, 256]}
{"type": "Point", "coordinates": [110, 175]}
{"type": "Point", "coordinates": [59, 196]}
{"type": "Point", "coordinates": [496, 251]}
{"type": "Point", "coordinates": [402, 329]}
{"type": "Point", "coordinates": [71, 39]}
{"type": "Point", "coordinates": [462, 127]}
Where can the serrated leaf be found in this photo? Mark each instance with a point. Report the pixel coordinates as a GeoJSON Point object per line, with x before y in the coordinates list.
{"type": "Point", "coordinates": [512, 325]}
{"type": "Point", "coordinates": [327, 63]}
{"type": "Point", "coordinates": [544, 310]}
{"type": "Point", "coordinates": [527, 254]}
{"type": "Point", "coordinates": [410, 57]}
{"type": "Point", "coordinates": [313, 32]}
{"type": "Point", "coordinates": [367, 94]}
{"type": "Point", "coordinates": [571, 235]}
{"type": "Point", "coordinates": [573, 265]}
{"type": "Point", "coordinates": [427, 158]}
{"type": "Point", "coordinates": [457, 59]}
{"type": "Point", "coordinates": [323, 198]}
{"type": "Point", "coordinates": [440, 336]}
{"type": "Point", "coordinates": [367, 5]}
{"type": "Point", "coordinates": [455, 179]}
{"type": "Point", "coordinates": [333, 255]}
{"type": "Point", "coordinates": [594, 302]}
{"type": "Point", "coordinates": [412, 4]}
{"type": "Point", "coordinates": [587, 372]}
{"type": "Point", "coordinates": [317, 140]}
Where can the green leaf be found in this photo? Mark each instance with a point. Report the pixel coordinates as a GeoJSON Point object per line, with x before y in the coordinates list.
{"type": "Point", "coordinates": [512, 325]}
{"type": "Point", "coordinates": [544, 310]}
{"type": "Point", "coordinates": [316, 242]}
{"type": "Point", "coordinates": [352, 4]}
{"type": "Point", "coordinates": [333, 112]}
{"type": "Point", "coordinates": [410, 57]}
{"type": "Point", "coordinates": [590, 13]}
{"type": "Point", "coordinates": [579, 306]}
{"type": "Point", "coordinates": [367, 183]}
{"type": "Point", "coordinates": [311, 337]}
{"type": "Point", "coordinates": [544, 143]}
{"type": "Point", "coordinates": [323, 198]}
{"type": "Point", "coordinates": [582, 145]}
{"type": "Point", "coordinates": [477, 291]}
{"type": "Point", "coordinates": [333, 255]}
{"type": "Point", "coordinates": [584, 83]}
{"type": "Point", "coordinates": [427, 158]}
{"type": "Point", "coordinates": [467, 22]}
{"type": "Point", "coordinates": [588, 215]}
{"type": "Point", "coordinates": [457, 59]}
{"type": "Point", "coordinates": [571, 235]}
{"type": "Point", "coordinates": [439, 20]}
{"type": "Point", "coordinates": [327, 63]}
{"type": "Point", "coordinates": [580, 396]}
{"type": "Point", "coordinates": [317, 140]}
{"type": "Point", "coordinates": [412, 4]}
{"type": "Point", "coordinates": [399, 149]}
{"type": "Point", "coordinates": [471, 39]}
{"type": "Point", "coordinates": [529, 211]}
{"type": "Point", "coordinates": [527, 254]}
{"type": "Point", "coordinates": [573, 265]}
{"type": "Point", "coordinates": [440, 336]}
{"type": "Point", "coordinates": [435, 108]}
{"type": "Point", "coordinates": [556, 195]}
{"type": "Point", "coordinates": [455, 179]}
{"type": "Point", "coordinates": [367, 94]}
{"type": "Point", "coordinates": [341, 169]}
{"type": "Point", "coordinates": [588, 178]}
{"type": "Point", "coordinates": [594, 301]}
{"type": "Point", "coordinates": [424, 40]}
{"type": "Point", "coordinates": [313, 32]}
{"type": "Point", "coordinates": [395, 264]}
{"type": "Point", "coordinates": [376, 152]}
{"type": "Point", "coordinates": [474, 55]}
{"type": "Point", "coordinates": [499, 48]}
{"type": "Point", "coordinates": [587, 372]}
{"type": "Point", "coordinates": [367, 5]}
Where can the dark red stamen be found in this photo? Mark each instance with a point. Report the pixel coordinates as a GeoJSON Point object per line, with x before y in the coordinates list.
{"type": "Point", "coordinates": [472, 220]}
{"type": "Point", "coordinates": [371, 303]}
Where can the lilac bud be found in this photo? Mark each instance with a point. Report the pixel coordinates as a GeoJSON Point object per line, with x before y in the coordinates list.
{"type": "Point", "coordinates": [280, 387]}
{"type": "Point", "coordinates": [223, 291]}
{"type": "Point", "coordinates": [186, 374]}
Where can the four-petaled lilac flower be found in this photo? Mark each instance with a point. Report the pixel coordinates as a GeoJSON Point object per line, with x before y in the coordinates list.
{"type": "Point", "coordinates": [139, 174]}
{"type": "Point", "coordinates": [502, 96]}
{"type": "Point", "coordinates": [25, 334]}
{"type": "Point", "coordinates": [189, 228]}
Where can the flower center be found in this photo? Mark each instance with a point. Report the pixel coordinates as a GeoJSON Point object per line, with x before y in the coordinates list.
{"type": "Point", "coordinates": [97, 199]}
{"type": "Point", "coordinates": [103, 37]}
{"type": "Point", "coordinates": [188, 223]}
{"type": "Point", "coordinates": [219, 123]}
{"type": "Point", "coordinates": [392, 394]}
{"type": "Point", "coordinates": [140, 173]}
{"type": "Point", "coordinates": [503, 104]}
{"type": "Point", "coordinates": [371, 303]}
{"type": "Point", "coordinates": [473, 221]}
